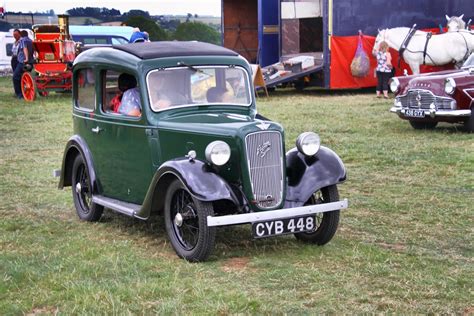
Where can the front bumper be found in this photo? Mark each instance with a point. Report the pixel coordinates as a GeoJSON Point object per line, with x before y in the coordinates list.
{"type": "Point", "coordinates": [432, 112]}
{"type": "Point", "coordinates": [276, 214]}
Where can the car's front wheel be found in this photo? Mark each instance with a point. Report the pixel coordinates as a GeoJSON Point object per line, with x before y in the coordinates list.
{"type": "Point", "coordinates": [327, 222]}
{"type": "Point", "coordinates": [82, 192]}
{"type": "Point", "coordinates": [186, 223]}
{"type": "Point", "coordinates": [423, 125]}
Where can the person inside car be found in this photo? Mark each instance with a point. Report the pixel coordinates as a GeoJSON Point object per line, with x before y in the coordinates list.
{"type": "Point", "coordinates": [127, 102]}
{"type": "Point", "coordinates": [217, 95]}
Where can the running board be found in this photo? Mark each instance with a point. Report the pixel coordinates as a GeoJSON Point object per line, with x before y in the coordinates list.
{"type": "Point", "coordinates": [125, 208]}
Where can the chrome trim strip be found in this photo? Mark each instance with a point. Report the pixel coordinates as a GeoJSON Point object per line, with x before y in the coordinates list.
{"type": "Point", "coordinates": [276, 214]}
{"type": "Point", "coordinates": [433, 113]}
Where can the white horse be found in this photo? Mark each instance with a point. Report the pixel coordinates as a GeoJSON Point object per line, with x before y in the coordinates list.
{"type": "Point", "coordinates": [455, 23]}
{"type": "Point", "coordinates": [442, 49]}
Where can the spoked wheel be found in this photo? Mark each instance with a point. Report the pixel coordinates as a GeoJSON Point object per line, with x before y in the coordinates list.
{"type": "Point", "coordinates": [325, 223]}
{"type": "Point", "coordinates": [423, 125]}
{"type": "Point", "coordinates": [82, 192]}
{"type": "Point", "coordinates": [186, 223]}
{"type": "Point", "coordinates": [28, 86]}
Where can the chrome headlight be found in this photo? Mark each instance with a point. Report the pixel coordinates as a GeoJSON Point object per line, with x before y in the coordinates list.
{"type": "Point", "coordinates": [218, 153]}
{"type": "Point", "coordinates": [308, 143]}
{"type": "Point", "coordinates": [394, 85]}
{"type": "Point", "coordinates": [449, 86]}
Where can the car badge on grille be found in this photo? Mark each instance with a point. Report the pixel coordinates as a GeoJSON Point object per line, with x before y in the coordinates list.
{"type": "Point", "coordinates": [418, 99]}
{"type": "Point", "coordinates": [268, 199]}
{"type": "Point", "coordinates": [263, 126]}
{"type": "Point", "coordinates": [263, 149]}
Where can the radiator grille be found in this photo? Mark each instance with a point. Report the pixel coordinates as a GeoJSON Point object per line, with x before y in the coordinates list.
{"type": "Point", "coordinates": [422, 99]}
{"type": "Point", "coordinates": [265, 162]}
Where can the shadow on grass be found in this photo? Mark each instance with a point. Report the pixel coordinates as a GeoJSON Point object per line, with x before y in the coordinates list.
{"type": "Point", "coordinates": [231, 241]}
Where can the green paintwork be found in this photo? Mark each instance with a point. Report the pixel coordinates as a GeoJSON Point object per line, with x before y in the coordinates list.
{"type": "Point", "coordinates": [128, 151]}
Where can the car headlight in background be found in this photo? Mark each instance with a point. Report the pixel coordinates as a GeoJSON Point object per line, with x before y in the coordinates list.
{"type": "Point", "coordinates": [218, 153]}
{"type": "Point", "coordinates": [449, 86]}
{"type": "Point", "coordinates": [394, 85]}
{"type": "Point", "coordinates": [308, 143]}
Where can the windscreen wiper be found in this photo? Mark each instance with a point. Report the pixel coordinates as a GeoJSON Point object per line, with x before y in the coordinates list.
{"type": "Point", "coordinates": [180, 63]}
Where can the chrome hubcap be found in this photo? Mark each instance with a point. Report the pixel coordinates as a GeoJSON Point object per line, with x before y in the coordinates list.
{"type": "Point", "coordinates": [178, 220]}
{"type": "Point", "coordinates": [78, 188]}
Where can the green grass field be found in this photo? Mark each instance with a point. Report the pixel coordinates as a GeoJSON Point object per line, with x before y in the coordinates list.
{"type": "Point", "coordinates": [405, 245]}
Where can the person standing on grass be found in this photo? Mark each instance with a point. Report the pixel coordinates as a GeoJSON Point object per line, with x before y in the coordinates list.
{"type": "Point", "coordinates": [384, 68]}
{"type": "Point", "coordinates": [16, 44]}
{"type": "Point", "coordinates": [25, 56]}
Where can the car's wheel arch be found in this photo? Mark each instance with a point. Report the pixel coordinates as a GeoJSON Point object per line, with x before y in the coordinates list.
{"type": "Point", "coordinates": [77, 146]}
{"type": "Point", "coordinates": [201, 183]}
{"type": "Point", "coordinates": [307, 175]}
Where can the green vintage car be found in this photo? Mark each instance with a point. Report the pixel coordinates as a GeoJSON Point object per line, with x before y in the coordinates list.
{"type": "Point", "coordinates": [171, 128]}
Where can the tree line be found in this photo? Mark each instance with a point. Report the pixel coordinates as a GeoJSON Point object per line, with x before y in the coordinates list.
{"type": "Point", "coordinates": [158, 27]}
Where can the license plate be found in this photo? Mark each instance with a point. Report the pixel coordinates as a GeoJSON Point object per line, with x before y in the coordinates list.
{"type": "Point", "coordinates": [414, 113]}
{"type": "Point", "coordinates": [283, 226]}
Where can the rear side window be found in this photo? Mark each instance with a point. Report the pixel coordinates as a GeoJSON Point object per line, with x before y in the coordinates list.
{"type": "Point", "coordinates": [85, 92]}
{"type": "Point", "coordinates": [119, 41]}
{"type": "Point", "coordinates": [9, 49]}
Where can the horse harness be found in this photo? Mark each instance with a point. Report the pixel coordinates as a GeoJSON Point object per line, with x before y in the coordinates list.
{"type": "Point", "coordinates": [405, 42]}
{"type": "Point", "coordinates": [408, 38]}
{"type": "Point", "coordinates": [428, 36]}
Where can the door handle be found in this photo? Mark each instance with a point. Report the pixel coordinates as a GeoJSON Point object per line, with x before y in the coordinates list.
{"type": "Point", "coordinates": [97, 130]}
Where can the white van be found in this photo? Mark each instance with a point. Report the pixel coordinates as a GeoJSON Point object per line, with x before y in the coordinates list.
{"type": "Point", "coordinates": [6, 43]}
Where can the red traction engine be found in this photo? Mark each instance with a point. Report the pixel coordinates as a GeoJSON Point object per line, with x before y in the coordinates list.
{"type": "Point", "coordinates": [54, 54]}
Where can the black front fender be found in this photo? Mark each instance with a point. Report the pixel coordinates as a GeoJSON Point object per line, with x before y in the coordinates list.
{"type": "Point", "coordinates": [198, 178]}
{"type": "Point", "coordinates": [76, 145]}
{"type": "Point", "coordinates": [307, 175]}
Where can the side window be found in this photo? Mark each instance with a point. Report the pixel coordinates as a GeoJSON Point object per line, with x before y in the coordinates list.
{"type": "Point", "coordinates": [118, 40]}
{"type": "Point", "coordinates": [9, 50]}
{"type": "Point", "coordinates": [101, 41]}
{"type": "Point", "coordinates": [121, 94]}
{"type": "Point", "coordinates": [85, 92]}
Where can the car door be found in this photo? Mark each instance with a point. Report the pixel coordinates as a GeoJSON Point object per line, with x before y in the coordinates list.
{"type": "Point", "coordinates": [120, 146]}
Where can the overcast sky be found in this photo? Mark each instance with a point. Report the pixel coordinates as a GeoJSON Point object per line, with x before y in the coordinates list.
{"type": "Point", "coordinates": [200, 7]}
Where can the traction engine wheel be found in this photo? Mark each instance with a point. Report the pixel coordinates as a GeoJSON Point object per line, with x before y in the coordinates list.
{"type": "Point", "coordinates": [28, 86]}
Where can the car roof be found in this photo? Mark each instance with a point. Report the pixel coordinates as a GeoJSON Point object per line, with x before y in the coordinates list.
{"type": "Point", "coordinates": [150, 50]}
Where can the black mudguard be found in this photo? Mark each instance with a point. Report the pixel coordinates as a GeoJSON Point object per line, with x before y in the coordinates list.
{"type": "Point", "coordinates": [197, 176]}
{"type": "Point", "coordinates": [307, 175]}
{"type": "Point", "coordinates": [77, 145]}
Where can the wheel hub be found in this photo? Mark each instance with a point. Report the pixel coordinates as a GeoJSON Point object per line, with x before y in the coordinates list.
{"type": "Point", "coordinates": [178, 220]}
{"type": "Point", "coordinates": [78, 188]}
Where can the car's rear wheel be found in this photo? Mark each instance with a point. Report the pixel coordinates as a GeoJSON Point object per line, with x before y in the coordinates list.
{"type": "Point", "coordinates": [186, 223]}
{"type": "Point", "coordinates": [327, 222]}
{"type": "Point", "coordinates": [82, 192]}
{"type": "Point", "coordinates": [423, 125]}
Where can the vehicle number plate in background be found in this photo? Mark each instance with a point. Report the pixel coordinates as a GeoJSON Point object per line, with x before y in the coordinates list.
{"type": "Point", "coordinates": [283, 226]}
{"type": "Point", "coordinates": [415, 113]}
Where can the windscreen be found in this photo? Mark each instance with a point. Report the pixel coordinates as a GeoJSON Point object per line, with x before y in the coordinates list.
{"type": "Point", "coordinates": [469, 62]}
{"type": "Point", "coordinates": [190, 85]}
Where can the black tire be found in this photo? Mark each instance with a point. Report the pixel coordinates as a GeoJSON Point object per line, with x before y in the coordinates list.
{"type": "Point", "coordinates": [82, 192]}
{"type": "Point", "coordinates": [423, 125]}
{"type": "Point", "coordinates": [469, 123]}
{"type": "Point", "coordinates": [186, 223]}
{"type": "Point", "coordinates": [326, 223]}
